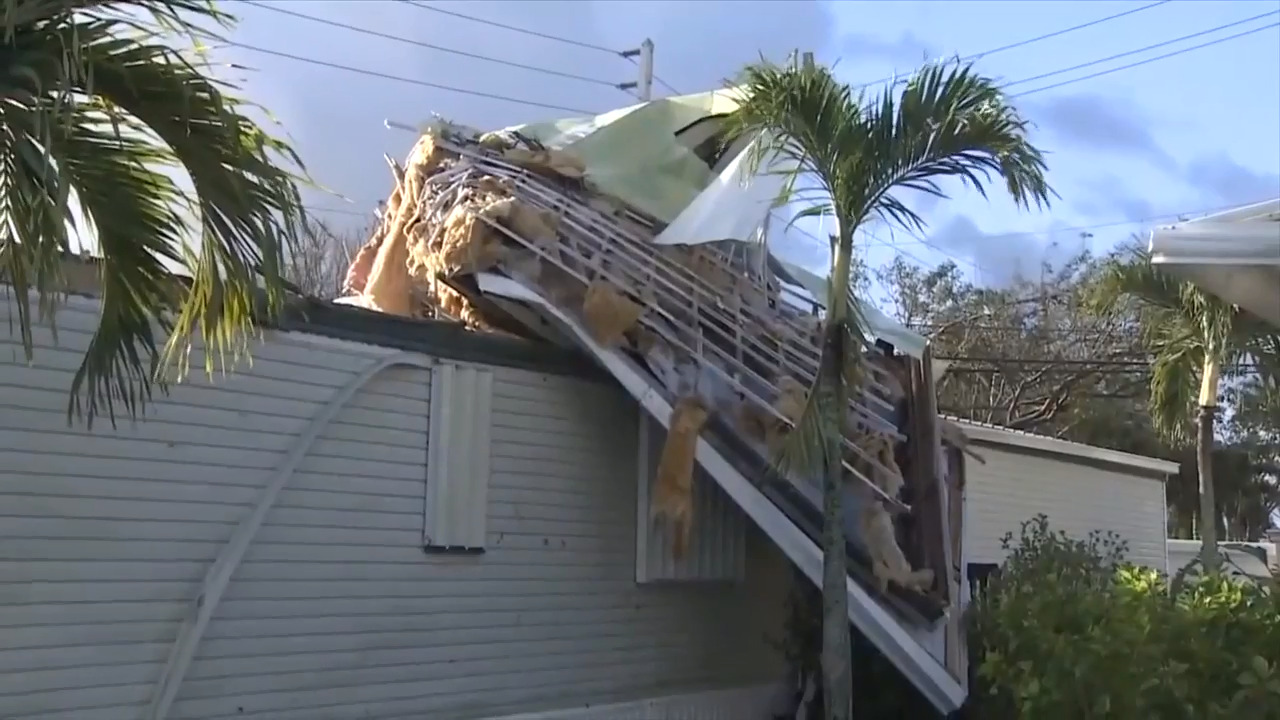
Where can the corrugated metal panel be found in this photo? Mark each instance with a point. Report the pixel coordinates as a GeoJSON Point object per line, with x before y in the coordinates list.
{"type": "Point", "coordinates": [458, 453]}
{"type": "Point", "coordinates": [717, 547]}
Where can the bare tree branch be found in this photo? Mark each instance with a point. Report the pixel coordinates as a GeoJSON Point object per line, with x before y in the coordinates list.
{"type": "Point", "coordinates": [319, 264]}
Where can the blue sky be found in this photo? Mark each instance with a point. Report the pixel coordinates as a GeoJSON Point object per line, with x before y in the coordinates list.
{"type": "Point", "coordinates": [1194, 132]}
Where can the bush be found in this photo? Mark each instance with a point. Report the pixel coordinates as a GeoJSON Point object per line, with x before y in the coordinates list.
{"type": "Point", "coordinates": [1067, 629]}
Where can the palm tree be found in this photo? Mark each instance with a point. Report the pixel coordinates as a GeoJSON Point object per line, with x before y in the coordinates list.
{"type": "Point", "coordinates": [946, 122]}
{"type": "Point", "coordinates": [1194, 338]}
{"type": "Point", "coordinates": [99, 108]}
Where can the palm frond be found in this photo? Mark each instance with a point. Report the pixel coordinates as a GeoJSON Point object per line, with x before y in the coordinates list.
{"type": "Point", "coordinates": [134, 208]}
{"type": "Point", "coordinates": [805, 450]}
{"type": "Point", "coordinates": [947, 121]}
{"type": "Point", "coordinates": [1175, 376]}
{"type": "Point", "coordinates": [99, 103]}
{"type": "Point", "coordinates": [1135, 278]}
{"type": "Point", "coordinates": [796, 115]}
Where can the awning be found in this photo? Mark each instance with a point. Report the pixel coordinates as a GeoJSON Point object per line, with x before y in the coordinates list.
{"type": "Point", "coordinates": [1234, 255]}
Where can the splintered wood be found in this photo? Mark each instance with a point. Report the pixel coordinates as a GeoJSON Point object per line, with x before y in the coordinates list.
{"type": "Point", "coordinates": [441, 221]}
{"type": "Point", "coordinates": [673, 482]}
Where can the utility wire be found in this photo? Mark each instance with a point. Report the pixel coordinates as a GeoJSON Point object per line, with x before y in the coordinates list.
{"type": "Point", "coordinates": [513, 28]}
{"type": "Point", "coordinates": [550, 106]}
{"type": "Point", "coordinates": [1064, 31]}
{"type": "Point", "coordinates": [276, 8]}
{"type": "Point", "coordinates": [1138, 51]}
{"type": "Point", "coordinates": [1036, 39]}
{"type": "Point", "coordinates": [1175, 53]}
{"type": "Point", "coordinates": [1029, 41]}
{"type": "Point", "coordinates": [545, 36]}
{"type": "Point", "coordinates": [339, 211]}
{"type": "Point", "coordinates": [411, 81]}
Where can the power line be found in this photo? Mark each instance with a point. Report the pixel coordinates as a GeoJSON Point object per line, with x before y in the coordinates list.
{"type": "Point", "coordinates": [1064, 31]}
{"type": "Point", "coordinates": [1029, 41]}
{"type": "Point", "coordinates": [411, 81]}
{"type": "Point", "coordinates": [513, 28]}
{"type": "Point", "coordinates": [339, 211]}
{"type": "Point", "coordinates": [1237, 36]}
{"type": "Point", "coordinates": [427, 45]}
{"type": "Point", "coordinates": [1138, 51]}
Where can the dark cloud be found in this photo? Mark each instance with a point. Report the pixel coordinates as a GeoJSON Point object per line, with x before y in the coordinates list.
{"type": "Point", "coordinates": [1109, 198]}
{"type": "Point", "coordinates": [1096, 122]}
{"type": "Point", "coordinates": [1000, 258]}
{"type": "Point", "coordinates": [336, 117]}
{"type": "Point", "coordinates": [1228, 182]}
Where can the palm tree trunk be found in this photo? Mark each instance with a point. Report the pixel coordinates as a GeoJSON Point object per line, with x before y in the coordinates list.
{"type": "Point", "coordinates": [837, 677]}
{"type": "Point", "coordinates": [1204, 464]}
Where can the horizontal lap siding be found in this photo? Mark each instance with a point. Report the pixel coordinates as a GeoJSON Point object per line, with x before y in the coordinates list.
{"type": "Point", "coordinates": [336, 612]}
{"type": "Point", "coordinates": [1013, 487]}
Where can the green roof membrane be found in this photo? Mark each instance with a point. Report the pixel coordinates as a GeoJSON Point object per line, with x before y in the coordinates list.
{"type": "Point", "coordinates": [633, 153]}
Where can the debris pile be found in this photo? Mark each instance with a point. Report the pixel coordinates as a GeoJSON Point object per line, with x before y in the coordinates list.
{"type": "Point", "coordinates": [707, 324]}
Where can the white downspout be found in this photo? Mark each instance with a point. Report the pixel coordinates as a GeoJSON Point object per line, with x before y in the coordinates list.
{"type": "Point", "coordinates": [224, 566]}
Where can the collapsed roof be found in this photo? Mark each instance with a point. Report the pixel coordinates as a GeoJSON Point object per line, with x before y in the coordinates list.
{"type": "Point", "coordinates": [635, 235]}
{"type": "Point", "coordinates": [666, 159]}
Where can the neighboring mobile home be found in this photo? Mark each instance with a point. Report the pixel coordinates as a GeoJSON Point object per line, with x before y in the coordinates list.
{"type": "Point", "coordinates": [1079, 487]}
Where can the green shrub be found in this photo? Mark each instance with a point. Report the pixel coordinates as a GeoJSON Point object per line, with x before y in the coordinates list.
{"type": "Point", "coordinates": [1068, 630]}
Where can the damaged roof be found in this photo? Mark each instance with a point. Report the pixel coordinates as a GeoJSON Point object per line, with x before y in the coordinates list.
{"type": "Point", "coordinates": [654, 157]}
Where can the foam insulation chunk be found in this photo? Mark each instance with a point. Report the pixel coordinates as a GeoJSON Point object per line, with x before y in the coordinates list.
{"type": "Point", "coordinates": [888, 563]}
{"type": "Point", "coordinates": [673, 483]}
{"type": "Point", "coordinates": [608, 314]}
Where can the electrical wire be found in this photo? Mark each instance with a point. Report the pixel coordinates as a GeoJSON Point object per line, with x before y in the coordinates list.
{"type": "Point", "coordinates": [1138, 51]}
{"type": "Point", "coordinates": [1064, 31]}
{"type": "Point", "coordinates": [339, 211]}
{"type": "Point", "coordinates": [513, 28]}
{"type": "Point", "coordinates": [1146, 61]}
{"type": "Point", "coordinates": [411, 81]}
{"type": "Point", "coordinates": [1036, 39]}
{"type": "Point", "coordinates": [534, 103]}
{"type": "Point", "coordinates": [1029, 41]}
{"type": "Point", "coordinates": [430, 46]}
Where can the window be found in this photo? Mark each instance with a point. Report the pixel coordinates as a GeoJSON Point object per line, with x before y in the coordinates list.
{"type": "Point", "coordinates": [458, 452]}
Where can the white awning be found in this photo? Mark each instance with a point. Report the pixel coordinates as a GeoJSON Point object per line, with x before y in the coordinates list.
{"type": "Point", "coordinates": [1234, 255]}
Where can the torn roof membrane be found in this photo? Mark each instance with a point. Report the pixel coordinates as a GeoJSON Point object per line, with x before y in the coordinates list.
{"type": "Point", "coordinates": [634, 153]}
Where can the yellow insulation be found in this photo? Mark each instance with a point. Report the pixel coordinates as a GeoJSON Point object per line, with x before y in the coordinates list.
{"type": "Point", "coordinates": [673, 482]}
{"type": "Point", "coordinates": [608, 314]}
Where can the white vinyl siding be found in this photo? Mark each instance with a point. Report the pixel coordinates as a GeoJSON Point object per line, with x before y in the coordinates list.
{"type": "Point", "coordinates": [336, 611]}
{"type": "Point", "coordinates": [1078, 497]}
